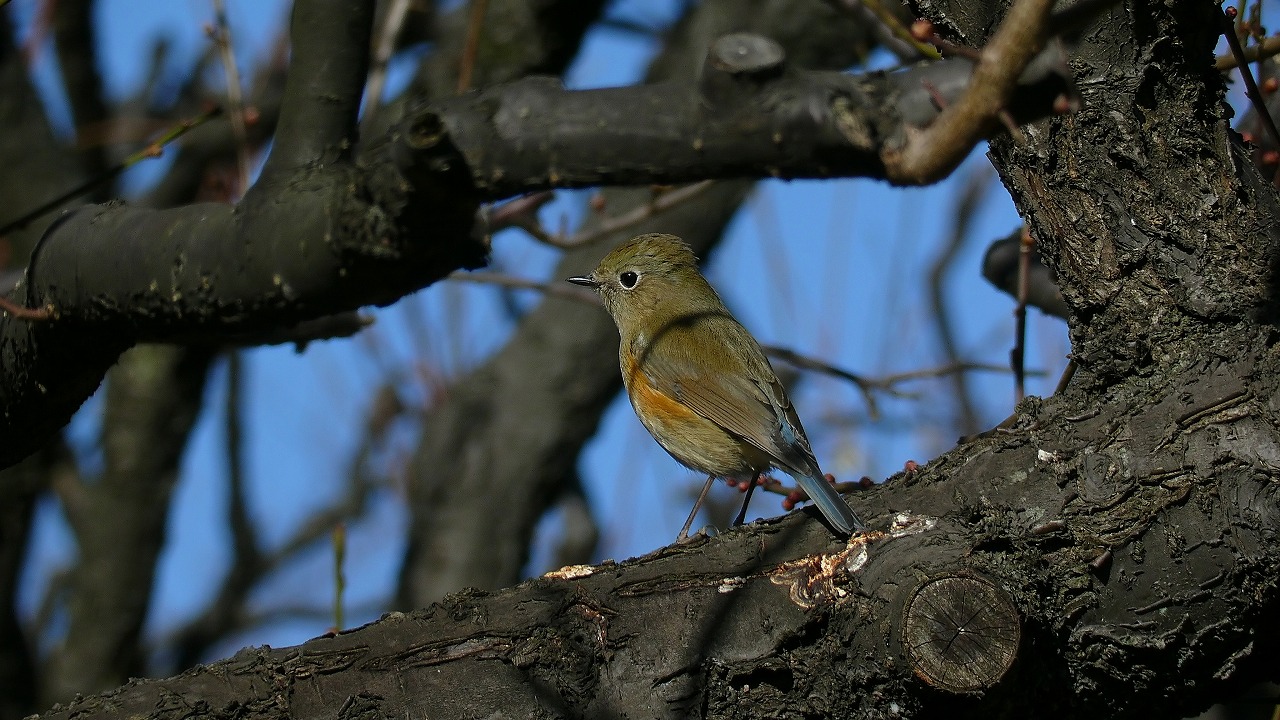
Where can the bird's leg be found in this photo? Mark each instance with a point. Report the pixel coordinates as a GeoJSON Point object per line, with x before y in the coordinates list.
{"type": "Point", "coordinates": [684, 531]}
{"type": "Point", "coordinates": [742, 514]}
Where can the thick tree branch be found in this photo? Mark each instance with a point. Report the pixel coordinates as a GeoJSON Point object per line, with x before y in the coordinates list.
{"type": "Point", "coordinates": [749, 115]}
{"type": "Point", "coordinates": [327, 75]}
{"type": "Point", "coordinates": [99, 655]}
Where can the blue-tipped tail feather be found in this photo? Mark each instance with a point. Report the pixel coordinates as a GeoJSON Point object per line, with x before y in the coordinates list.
{"type": "Point", "coordinates": [831, 504]}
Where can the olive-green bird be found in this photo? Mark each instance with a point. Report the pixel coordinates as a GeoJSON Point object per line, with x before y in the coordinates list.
{"type": "Point", "coordinates": [698, 381]}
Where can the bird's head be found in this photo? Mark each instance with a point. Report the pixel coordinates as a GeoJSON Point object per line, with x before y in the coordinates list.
{"type": "Point", "coordinates": [649, 276]}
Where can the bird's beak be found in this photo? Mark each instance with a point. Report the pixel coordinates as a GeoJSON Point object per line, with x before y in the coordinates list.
{"type": "Point", "coordinates": [585, 281]}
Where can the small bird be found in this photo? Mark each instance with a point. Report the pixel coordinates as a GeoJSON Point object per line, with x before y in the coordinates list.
{"type": "Point", "coordinates": [698, 381]}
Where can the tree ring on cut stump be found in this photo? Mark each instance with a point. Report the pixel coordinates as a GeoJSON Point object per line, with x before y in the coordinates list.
{"type": "Point", "coordinates": [961, 632]}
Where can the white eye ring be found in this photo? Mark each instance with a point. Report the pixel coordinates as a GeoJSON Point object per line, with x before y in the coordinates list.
{"type": "Point", "coordinates": [628, 279]}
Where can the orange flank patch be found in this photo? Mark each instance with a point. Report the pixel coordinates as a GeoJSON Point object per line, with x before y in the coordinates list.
{"type": "Point", "coordinates": [693, 440]}
{"type": "Point", "coordinates": [652, 402]}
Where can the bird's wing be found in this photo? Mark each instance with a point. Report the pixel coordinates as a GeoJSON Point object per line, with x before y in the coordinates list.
{"type": "Point", "coordinates": [794, 449]}
{"type": "Point", "coordinates": [714, 367]}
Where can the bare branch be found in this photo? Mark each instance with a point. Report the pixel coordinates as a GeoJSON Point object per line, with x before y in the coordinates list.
{"type": "Point", "coordinates": [1269, 47]}
{"type": "Point", "coordinates": [934, 152]}
{"type": "Point", "coordinates": [607, 226]}
{"type": "Point", "coordinates": [24, 313]}
{"type": "Point", "coordinates": [894, 34]}
{"type": "Point", "coordinates": [1017, 356]}
{"type": "Point", "coordinates": [749, 115]}
{"type": "Point", "coordinates": [383, 46]}
{"type": "Point", "coordinates": [475, 26]}
{"type": "Point", "coordinates": [153, 149]}
{"type": "Point", "coordinates": [221, 34]}
{"type": "Point", "coordinates": [1251, 85]}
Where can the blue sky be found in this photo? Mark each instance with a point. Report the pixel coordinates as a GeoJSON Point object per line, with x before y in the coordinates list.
{"type": "Point", "coordinates": [836, 270]}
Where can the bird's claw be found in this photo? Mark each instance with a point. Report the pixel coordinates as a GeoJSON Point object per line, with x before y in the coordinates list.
{"type": "Point", "coordinates": [706, 531]}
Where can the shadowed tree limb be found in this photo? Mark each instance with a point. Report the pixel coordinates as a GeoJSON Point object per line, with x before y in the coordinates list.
{"type": "Point", "coordinates": [750, 114]}
{"type": "Point", "coordinates": [119, 518]}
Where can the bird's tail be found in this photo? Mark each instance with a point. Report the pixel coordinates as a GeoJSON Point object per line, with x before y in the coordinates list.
{"type": "Point", "coordinates": [830, 503]}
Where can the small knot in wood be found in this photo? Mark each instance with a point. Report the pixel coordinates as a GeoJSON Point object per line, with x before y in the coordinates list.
{"type": "Point", "coordinates": [961, 632]}
{"type": "Point", "coordinates": [425, 131]}
{"type": "Point", "coordinates": [746, 54]}
{"type": "Point", "coordinates": [737, 66]}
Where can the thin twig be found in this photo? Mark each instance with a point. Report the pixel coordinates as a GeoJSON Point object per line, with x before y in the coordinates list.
{"type": "Point", "coordinates": [1251, 87]}
{"type": "Point", "coordinates": [227, 611]}
{"type": "Point", "coordinates": [1011, 127]}
{"type": "Point", "coordinates": [1255, 31]}
{"type": "Point", "coordinates": [941, 146]}
{"type": "Point", "coordinates": [1269, 47]}
{"type": "Point", "coordinates": [1065, 379]}
{"type": "Point", "coordinates": [299, 611]}
{"type": "Point", "coordinates": [383, 46]}
{"type": "Point", "coordinates": [770, 484]}
{"type": "Point", "coordinates": [886, 384]}
{"type": "Point", "coordinates": [962, 218]}
{"type": "Point", "coordinates": [153, 149]}
{"type": "Point", "coordinates": [338, 540]}
{"type": "Point", "coordinates": [606, 227]}
{"type": "Point", "coordinates": [475, 23]}
{"type": "Point", "coordinates": [221, 34]}
{"type": "Point", "coordinates": [957, 368]}
{"type": "Point", "coordinates": [38, 32]}
{"type": "Point", "coordinates": [895, 36]}
{"type": "Point", "coordinates": [246, 548]}
{"type": "Point", "coordinates": [808, 363]}
{"type": "Point", "coordinates": [1017, 356]}
{"type": "Point", "coordinates": [515, 213]}
{"type": "Point", "coordinates": [898, 30]}
{"type": "Point", "coordinates": [25, 313]}
{"type": "Point", "coordinates": [923, 29]}
{"type": "Point", "coordinates": [51, 602]}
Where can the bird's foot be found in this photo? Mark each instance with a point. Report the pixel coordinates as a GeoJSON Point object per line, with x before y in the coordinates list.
{"type": "Point", "coordinates": [706, 531]}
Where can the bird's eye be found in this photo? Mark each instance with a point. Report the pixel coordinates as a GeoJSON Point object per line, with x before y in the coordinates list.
{"type": "Point", "coordinates": [628, 278]}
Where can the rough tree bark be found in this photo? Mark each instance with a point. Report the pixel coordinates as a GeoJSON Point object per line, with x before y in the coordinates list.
{"type": "Point", "coordinates": [1107, 552]}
